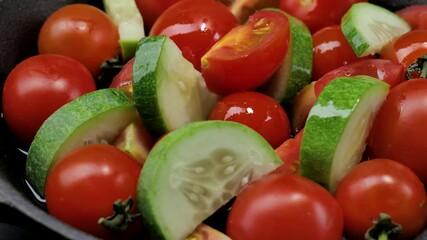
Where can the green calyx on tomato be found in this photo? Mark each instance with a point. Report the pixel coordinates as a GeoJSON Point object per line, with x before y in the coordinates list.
{"type": "Point", "coordinates": [418, 69]}
{"type": "Point", "coordinates": [121, 218]}
{"type": "Point", "coordinates": [384, 228]}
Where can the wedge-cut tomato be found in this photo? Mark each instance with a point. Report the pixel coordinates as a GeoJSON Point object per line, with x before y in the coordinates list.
{"type": "Point", "coordinates": [386, 70]}
{"type": "Point", "coordinates": [415, 15]}
{"type": "Point", "coordinates": [407, 48]}
{"type": "Point", "coordinates": [248, 55]}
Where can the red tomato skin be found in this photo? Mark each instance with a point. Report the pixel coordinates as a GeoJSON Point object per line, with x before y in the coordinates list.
{"type": "Point", "coordinates": [331, 50]}
{"type": "Point", "coordinates": [385, 70]}
{"type": "Point", "coordinates": [289, 152]}
{"type": "Point", "coordinates": [233, 67]}
{"type": "Point", "coordinates": [195, 26]}
{"type": "Point", "coordinates": [257, 111]}
{"type": "Point", "coordinates": [124, 78]}
{"type": "Point", "coordinates": [284, 205]}
{"type": "Point", "coordinates": [37, 87]}
{"type": "Point", "coordinates": [82, 32]}
{"type": "Point", "coordinates": [407, 48]}
{"type": "Point", "coordinates": [152, 9]}
{"type": "Point", "coordinates": [317, 14]}
{"type": "Point", "coordinates": [82, 187]}
{"type": "Point", "coordinates": [415, 15]}
{"type": "Point", "coordinates": [399, 129]}
{"type": "Point", "coordinates": [382, 186]}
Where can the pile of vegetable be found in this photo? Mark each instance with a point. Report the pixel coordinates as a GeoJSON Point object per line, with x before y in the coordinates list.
{"type": "Point", "coordinates": [227, 120]}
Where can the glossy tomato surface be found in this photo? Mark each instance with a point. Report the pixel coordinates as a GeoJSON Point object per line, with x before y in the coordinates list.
{"type": "Point", "coordinates": [415, 15]}
{"type": "Point", "coordinates": [248, 55]}
{"type": "Point", "coordinates": [284, 205]}
{"type": "Point", "coordinates": [83, 186]}
{"type": "Point", "coordinates": [385, 70]}
{"type": "Point", "coordinates": [317, 14]}
{"type": "Point", "coordinates": [82, 32]}
{"type": "Point", "coordinates": [407, 48]}
{"type": "Point", "coordinates": [152, 9]}
{"type": "Point", "coordinates": [382, 186]}
{"type": "Point", "coordinates": [195, 26]}
{"type": "Point", "coordinates": [331, 50]}
{"type": "Point", "coordinates": [400, 127]}
{"type": "Point", "coordinates": [37, 87]}
{"type": "Point", "coordinates": [258, 111]}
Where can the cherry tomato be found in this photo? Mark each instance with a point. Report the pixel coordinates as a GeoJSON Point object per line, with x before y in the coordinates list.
{"type": "Point", "coordinates": [386, 70]}
{"type": "Point", "coordinates": [248, 55]}
{"type": "Point", "coordinates": [284, 206]}
{"type": "Point", "coordinates": [124, 78]}
{"type": "Point", "coordinates": [195, 26]}
{"type": "Point", "coordinates": [415, 15]}
{"type": "Point", "coordinates": [331, 50]}
{"type": "Point", "coordinates": [399, 129]}
{"type": "Point", "coordinates": [152, 9]}
{"type": "Point", "coordinates": [317, 14]}
{"type": "Point", "coordinates": [407, 48]}
{"type": "Point", "coordinates": [382, 186]}
{"type": "Point", "coordinates": [83, 186]}
{"type": "Point", "coordinates": [258, 111]}
{"type": "Point", "coordinates": [82, 32]}
{"type": "Point", "coordinates": [37, 87]}
{"type": "Point", "coordinates": [289, 153]}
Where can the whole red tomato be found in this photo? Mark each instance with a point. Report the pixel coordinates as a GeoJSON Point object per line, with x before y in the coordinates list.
{"type": "Point", "coordinates": [317, 14]}
{"type": "Point", "coordinates": [124, 78]}
{"type": "Point", "coordinates": [415, 15]}
{"type": "Point", "coordinates": [195, 26]}
{"type": "Point", "coordinates": [258, 111]}
{"type": "Point", "coordinates": [152, 9]}
{"type": "Point", "coordinates": [385, 70]}
{"type": "Point", "coordinates": [284, 206]}
{"type": "Point", "coordinates": [248, 55]}
{"type": "Point", "coordinates": [83, 186]}
{"type": "Point", "coordinates": [289, 152]}
{"type": "Point", "coordinates": [37, 87]}
{"type": "Point", "coordinates": [407, 48]}
{"type": "Point", "coordinates": [82, 32]}
{"type": "Point", "coordinates": [400, 127]}
{"type": "Point", "coordinates": [382, 186]}
{"type": "Point", "coordinates": [331, 50]}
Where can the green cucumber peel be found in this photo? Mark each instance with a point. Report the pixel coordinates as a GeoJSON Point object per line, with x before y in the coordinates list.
{"type": "Point", "coordinates": [96, 117]}
{"type": "Point", "coordinates": [337, 127]}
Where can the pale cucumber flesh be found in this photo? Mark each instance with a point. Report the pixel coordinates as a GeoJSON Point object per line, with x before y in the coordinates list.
{"type": "Point", "coordinates": [368, 28]}
{"type": "Point", "coordinates": [196, 169]}
{"type": "Point", "coordinates": [96, 117]}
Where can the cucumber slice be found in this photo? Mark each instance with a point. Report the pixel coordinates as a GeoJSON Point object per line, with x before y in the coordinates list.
{"type": "Point", "coordinates": [368, 27]}
{"type": "Point", "coordinates": [196, 169]}
{"type": "Point", "coordinates": [128, 19]}
{"type": "Point", "coordinates": [337, 127]}
{"type": "Point", "coordinates": [95, 117]}
{"type": "Point", "coordinates": [295, 72]}
{"type": "Point", "coordinates": [168, 91]}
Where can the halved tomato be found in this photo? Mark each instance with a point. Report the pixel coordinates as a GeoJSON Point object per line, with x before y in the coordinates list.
{"type": "Point", "coordinates": [248, 55]}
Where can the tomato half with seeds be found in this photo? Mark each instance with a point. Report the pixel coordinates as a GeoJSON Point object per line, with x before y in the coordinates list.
{"type": "Point", "coordinates": [257, 111]}
{"type": "Point", "coordinates": [84, 185]}
{"type": "Point", "coordinates": [248, 55]}
{"type": "Point", "coordinates": [382, 186]}
{"type": "Point", "coordinates": [194, 26]}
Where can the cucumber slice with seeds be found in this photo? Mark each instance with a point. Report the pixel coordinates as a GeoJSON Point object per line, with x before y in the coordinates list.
{"type": "Point", "coordinates": [194, 170]}
{"type": "Point", "coordinates": [368, 27]}
{"type": "Point", "coordinates": [168, 91]}
{"type": "Point", "coordinates": [95, 117]}
{"type": "Point", "coordinates": [337, 128]}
